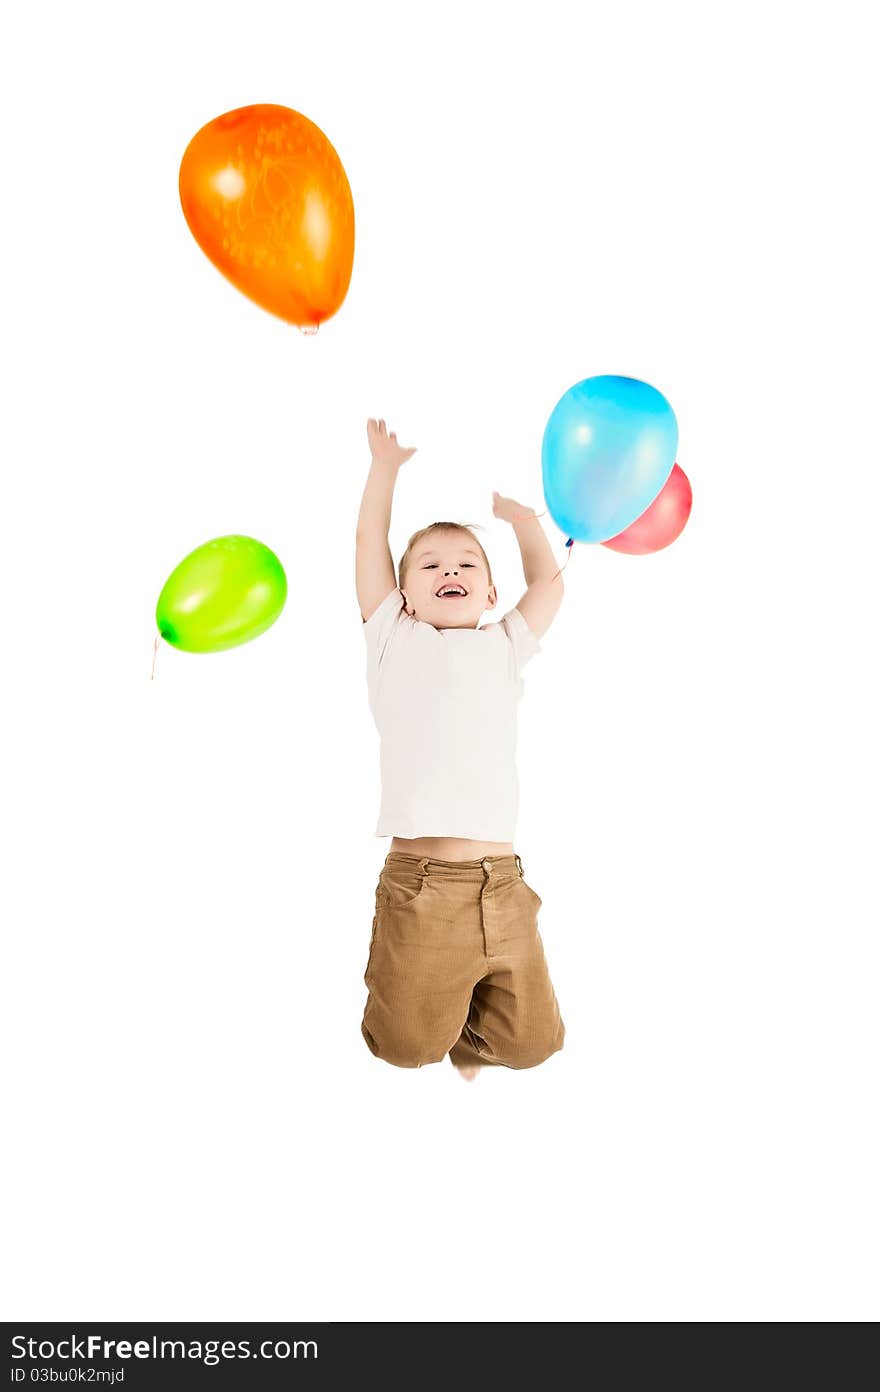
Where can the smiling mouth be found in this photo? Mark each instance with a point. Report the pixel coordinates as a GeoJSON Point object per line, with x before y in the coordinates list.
{"type": "Point", "coordinates": [452, 592]}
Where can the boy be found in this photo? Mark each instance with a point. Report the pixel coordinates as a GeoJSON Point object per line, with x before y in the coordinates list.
{"type": "Point", "coordinates": [456, 963]}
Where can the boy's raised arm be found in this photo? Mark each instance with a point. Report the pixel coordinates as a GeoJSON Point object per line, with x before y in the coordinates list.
{"type": "Point", "coordinates": [540, 603]}
{"type": "Point", "coordinates": [374, 567]}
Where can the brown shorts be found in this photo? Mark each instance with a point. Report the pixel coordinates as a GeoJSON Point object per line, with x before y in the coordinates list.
{"type": "Point", "coordinates": [457, 966]}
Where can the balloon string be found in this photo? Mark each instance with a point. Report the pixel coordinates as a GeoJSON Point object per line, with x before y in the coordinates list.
{"type": "Point", "coordinates": [570, 546]}
{"type": "Point", "coordinates": [570, 543]}
{"type": "Point", "coordinates": [155, 651]}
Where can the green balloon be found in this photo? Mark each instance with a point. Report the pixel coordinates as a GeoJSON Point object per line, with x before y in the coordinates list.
{"type": "Point", "coordinates": [222, 594]}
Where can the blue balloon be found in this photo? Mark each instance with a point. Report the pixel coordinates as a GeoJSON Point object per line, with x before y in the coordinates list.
{"type": "Point", "coordinates": [608, 449]}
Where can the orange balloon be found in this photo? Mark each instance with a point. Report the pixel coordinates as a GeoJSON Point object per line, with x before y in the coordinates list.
{"type": "Point", "coordinates": [267, 199]}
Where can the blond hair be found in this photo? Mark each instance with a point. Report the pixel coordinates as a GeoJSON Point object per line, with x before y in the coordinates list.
{"type": "Point", "coordinates": [439, 527]}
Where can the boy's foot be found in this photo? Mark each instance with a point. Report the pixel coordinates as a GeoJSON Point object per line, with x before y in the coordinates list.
{"type": "Point", "coordinates": [469, 1072]}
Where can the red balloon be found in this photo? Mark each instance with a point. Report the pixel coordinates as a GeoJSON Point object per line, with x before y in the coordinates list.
{"type": "Point", "coordinates": [660, 523]}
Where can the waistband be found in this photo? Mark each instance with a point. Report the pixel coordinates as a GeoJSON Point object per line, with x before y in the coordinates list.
{"type": "Point", "coordinates": [458, 869]}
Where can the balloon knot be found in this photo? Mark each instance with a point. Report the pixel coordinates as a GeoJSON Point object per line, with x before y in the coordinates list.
{"type": "Point", "coordinates": [570, 541]}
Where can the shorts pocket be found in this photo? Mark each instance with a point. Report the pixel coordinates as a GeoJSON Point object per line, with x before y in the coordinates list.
{"type": "Point", "coordinates": [534, 898]}
{"type": "Point", "coordinates": [372, 946]}
{"type": "Point", "coordinates": [398, 888]}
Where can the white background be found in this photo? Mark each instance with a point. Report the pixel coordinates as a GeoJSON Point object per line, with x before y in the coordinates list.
{"type": "Point", "coordinates": [681, 193]}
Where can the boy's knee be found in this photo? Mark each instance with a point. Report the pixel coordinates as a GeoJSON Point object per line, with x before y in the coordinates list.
{"type": "Point", "coordinates": [404, 1048]}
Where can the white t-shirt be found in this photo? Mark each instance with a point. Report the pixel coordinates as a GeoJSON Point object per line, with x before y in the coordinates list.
{"type": "Point", "coordinates": [445, 704]}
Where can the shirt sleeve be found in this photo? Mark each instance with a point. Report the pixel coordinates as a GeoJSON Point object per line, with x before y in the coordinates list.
{"type": "Point", "coordinates": [381, 626]}
{"type": "Point", "coordinates": [521, 638]}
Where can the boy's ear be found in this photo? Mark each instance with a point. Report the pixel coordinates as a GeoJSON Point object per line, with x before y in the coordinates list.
{"type": "Point", "coordinates": [492, 597]}
{"type": "Point", "coordinates": [406, 604]}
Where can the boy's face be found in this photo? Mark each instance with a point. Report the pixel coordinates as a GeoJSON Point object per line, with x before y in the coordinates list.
{"type": "Point", "coordinates": [442, 565]}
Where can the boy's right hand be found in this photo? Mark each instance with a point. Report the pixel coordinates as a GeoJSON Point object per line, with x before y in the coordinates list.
{"type": "Point", "coordinates": [384, 447]}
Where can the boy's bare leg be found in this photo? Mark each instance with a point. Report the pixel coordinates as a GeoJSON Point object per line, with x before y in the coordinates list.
{"type": "Point", "coordinates": [464, 1057]}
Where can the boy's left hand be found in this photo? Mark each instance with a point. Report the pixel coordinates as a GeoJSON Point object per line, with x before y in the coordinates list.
{"type": "Point", "coordinates": [508, 510]}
